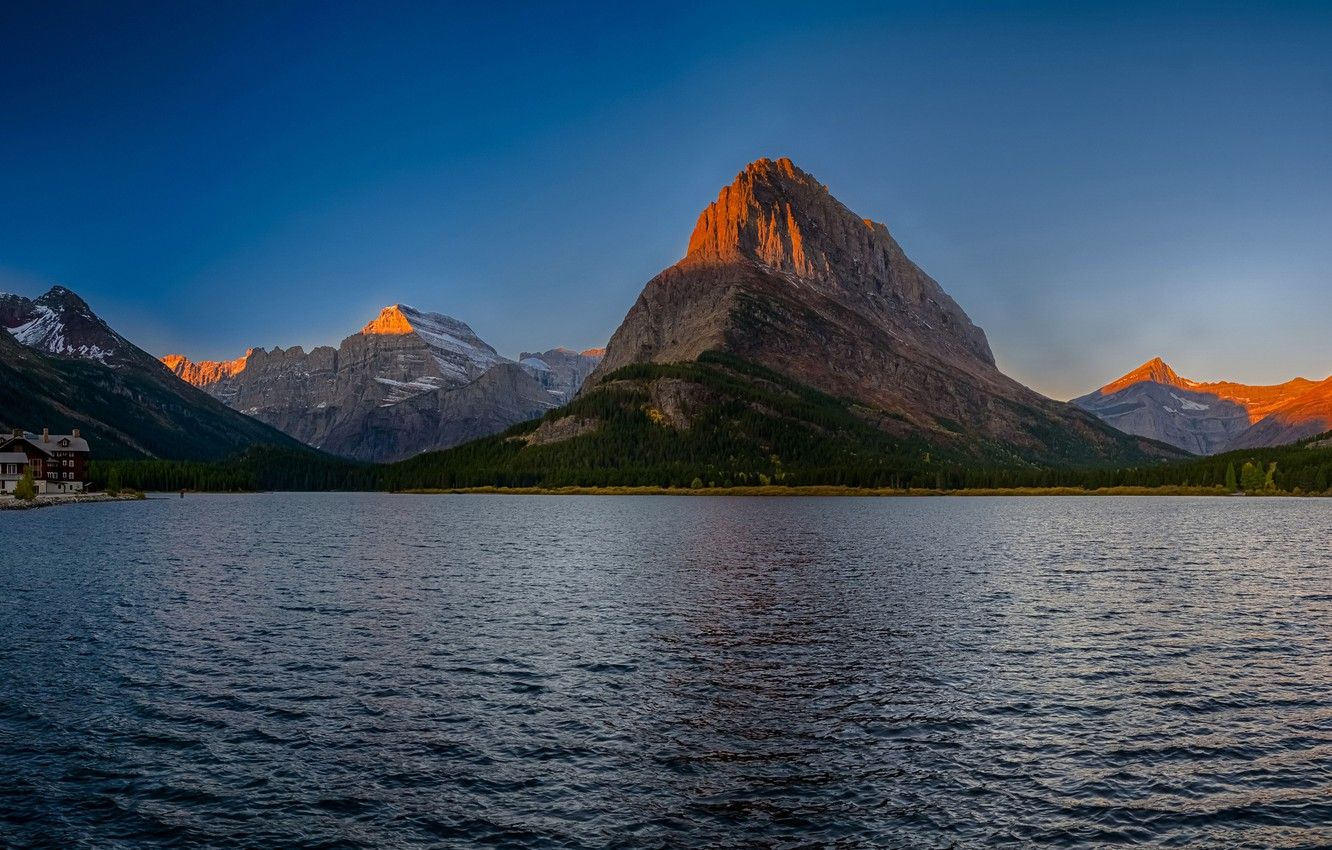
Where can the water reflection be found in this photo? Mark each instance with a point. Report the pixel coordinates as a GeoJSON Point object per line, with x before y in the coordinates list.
{"type": "Point", "coordinates": [378, 671]}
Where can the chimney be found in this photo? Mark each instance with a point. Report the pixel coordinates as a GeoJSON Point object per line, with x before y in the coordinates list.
{"type": "Point", "coordinates": [46, 435]}
{"type": "Point", "coordinates": [76, 433]}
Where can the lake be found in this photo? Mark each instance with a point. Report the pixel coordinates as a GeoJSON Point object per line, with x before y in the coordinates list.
{"type": "Point", "coordinates": [378, 671]}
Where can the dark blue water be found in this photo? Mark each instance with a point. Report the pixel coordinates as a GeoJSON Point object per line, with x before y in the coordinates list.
{"type": "Point", "coordinates": [348, 671]}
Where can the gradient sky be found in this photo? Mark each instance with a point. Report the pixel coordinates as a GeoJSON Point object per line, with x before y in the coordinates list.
{"type": "Point", "coordinates": [1094, 186]}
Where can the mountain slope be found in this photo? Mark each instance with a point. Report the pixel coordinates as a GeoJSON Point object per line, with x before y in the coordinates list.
{"type": "Point", "coordinates": [1205, 418]}
{"type": "Point", "coordinates": [61, 323]}
{"type": "Point", "coordinates": [409, 381]}
{"type": "Point", "coordinates": [1306, 415]}
{"type": "Point", "coordinates": [62, 367]}
{"type": "Point", "coordinates": [780, 274]}
{"type": "Point", "coordinates": [714, 421]}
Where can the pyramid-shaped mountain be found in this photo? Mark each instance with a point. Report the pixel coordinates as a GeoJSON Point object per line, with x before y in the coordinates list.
{"type": "Point", "coordinates": [782, 275]}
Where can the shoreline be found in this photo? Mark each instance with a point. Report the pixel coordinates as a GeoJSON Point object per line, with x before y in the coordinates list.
{"type": "Point", "coordinates": [12, 504]}
{"type": "Point", "coordinates": [778, 491]}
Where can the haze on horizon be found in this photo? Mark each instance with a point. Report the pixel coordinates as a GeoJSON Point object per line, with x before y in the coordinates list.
{"type": "Point", "coordinates": [1094, 186]}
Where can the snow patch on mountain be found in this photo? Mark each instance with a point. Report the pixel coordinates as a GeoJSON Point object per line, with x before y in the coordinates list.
{"type": "Point", "coordinates": [61, 323]}
{"type": "Point", "coordinates": [45, 331]}
{"type": "Point", "coordinates": [400, 391]}
{"type": "Point", "coordinates": [535, 363]}
{"type": "Point", "coordinates": [457, 350]}
{"type": "Point", "coordinates": [1187, 404]}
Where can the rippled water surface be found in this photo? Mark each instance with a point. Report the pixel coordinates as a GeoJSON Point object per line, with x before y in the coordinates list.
{"type": "Point", "coordinates": [345, 671]}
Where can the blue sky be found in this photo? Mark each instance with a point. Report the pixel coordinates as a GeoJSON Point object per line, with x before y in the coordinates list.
{"type": "Point", "coordinates": [1095, 185]}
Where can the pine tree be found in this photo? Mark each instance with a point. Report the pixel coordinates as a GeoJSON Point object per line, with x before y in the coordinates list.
{"type": "Point", "coordinates": [1231, 484]}
{"type": "Point", "coordinates": [26, 489]}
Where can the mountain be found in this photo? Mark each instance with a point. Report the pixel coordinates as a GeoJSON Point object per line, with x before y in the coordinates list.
{"type": "Point", "coordinates": [1206, 418]}
{"type": "Point", "coordinates": [717, 420]}
{"type": "Point", "coordinates": [560, 370]}
{"type": "Point", "coordinates": [409, 381]}
{"type": "Point", "coordinates": [61, 323]}
{"type": "Point", "coordinates": [780, 274]}
{"type": "Point", "coordinates": [1306, 415]}
{"type": "Point", "coordinates": [794, 343]}
{"type": "Point", "coordinates": [63, 367]}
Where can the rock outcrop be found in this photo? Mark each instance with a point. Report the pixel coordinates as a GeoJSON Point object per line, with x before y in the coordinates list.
{"type": "Point", "coordinates": [208, 372]}
{"type": "Point", "coordinates": [780, 273]}
{"type": "Point", "coordinates": [1210, 417]}
{"type": "Point", "coordinates": [410, 381]}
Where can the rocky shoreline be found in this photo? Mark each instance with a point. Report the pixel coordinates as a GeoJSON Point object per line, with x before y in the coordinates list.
{"type": "Point", "coordinates": [11, 504]}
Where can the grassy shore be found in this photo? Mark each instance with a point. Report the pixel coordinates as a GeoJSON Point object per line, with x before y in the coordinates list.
{"type": "Point", "coordinates": [825, 491]}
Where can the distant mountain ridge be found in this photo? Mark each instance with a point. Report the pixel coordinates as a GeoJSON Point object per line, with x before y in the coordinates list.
{"type": "Point", "coordinates": [561, 371]}
{"type": "Point", "coordinates": [207, 372]}
{"type": "Point", "coordinates": [1307, 415]}
{"type": "Point", "coordinates": [63, 367]}
{"type": "Point", "coordinates": [409, 381]}
{"type": "Point", "coordinates": [1210, 417]}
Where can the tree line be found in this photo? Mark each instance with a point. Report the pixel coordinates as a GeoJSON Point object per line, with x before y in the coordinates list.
{"type": "Point", "coordinates": [747, 426]}
{"type": "Point", "coordinates": [615, 461]}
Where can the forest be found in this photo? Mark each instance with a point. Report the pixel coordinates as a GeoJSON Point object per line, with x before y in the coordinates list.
{"type": "Point", "coordinates": [1297, 469]}
{"type": "Point", "coordinates": [746, 427]}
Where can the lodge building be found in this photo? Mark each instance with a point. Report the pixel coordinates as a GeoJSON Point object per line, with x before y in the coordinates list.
{"type": "Point", "coordinates": [58, 462]}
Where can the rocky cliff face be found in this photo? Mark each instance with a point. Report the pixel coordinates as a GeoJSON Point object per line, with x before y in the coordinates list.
{"type": "Point", "coordinates": [1206, 418]}
{"type": "Point", "coordinates": [782, 274]}
{"type": "Point", "coordinates": [208, 372]}
{"type": "Point", "coordinates": [409, 381]}
{"type": "Point", "coordinates": [560, 370]}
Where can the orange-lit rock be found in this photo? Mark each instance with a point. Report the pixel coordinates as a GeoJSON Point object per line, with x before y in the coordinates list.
{"type": "Point", "coordinates": [205, 373]}
{"type": "Point", "coordinates": [390, 321]}
{"type": "Point", "coordinates": [1207, 417]}
{"type": "Point", "coordinates": [1306, 415]}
